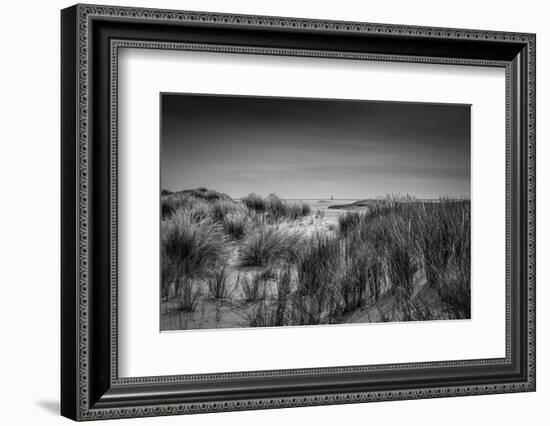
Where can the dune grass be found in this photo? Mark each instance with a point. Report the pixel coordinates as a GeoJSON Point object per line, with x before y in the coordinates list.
{"type": "Point", "coordinates": [263, 315]}
{"type": "Point", "coordinates": [218, 286]}
{"type": "Point", "coordinates": [190, 248]}
{"type": "Point", "coordinates": [273, 312]}
{"type": "Point", "coordinates": [349, 222]}
{"type": "Point", "coordinates": [268, 244]}
{"type": "Point", "coordinates": [314, 300]}
{"type": "Point", "coordinates": [381, 250]}
{"type": "Point", "coordinates": [255, 287]}
{"type": "Point", "coordinates": [187, 294]}
{"type": "Point", "coordinates": [454, 282]}
{"type": "Point", "coordinates": [275, 209]}
{"type": "Point", "coordinates": [284, 288]}
{"type": "Point", "coordinates": [236, 224]}
{"type": "Point", "coordinates": [255, 202]}
{"type": "Point", "coordinates": [410, 236]}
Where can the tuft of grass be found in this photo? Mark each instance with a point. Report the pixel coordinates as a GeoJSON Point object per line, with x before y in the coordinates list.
{"type": "Point", "coordinates": [295, 211]}
{"type": "Point", "coordinates": [419, 312]}
{"type": "Point", "coordinates": [255, 202]}
{"type": "Point", "coordinates": [375, 273]}
{"type": "Point", "coordinates": [190, 248]}
{"type": "Point", "coordinates": [210, 202]}
{"type": "Point", "coordinates": [219, 209]}
{"type": "Point", "coordinates": [266, 244]}
{"type": "Point", "coordinates": [217, 284]}
{"type": "Point", "coordinates": [317, 262]}
{"type": "Point", "coordinates": [349, 221]}
{"type": "Point", "coordinates": [236, 224]}
{"type": "Point", "coordinates": [205, 194]}
{"type": "Point", "coordinates": [315, 300]}
{"type": "Point", "coordinates": [352, 280]}
{"type": "Point", "coordinates": [168, 206]}
{"type": "Point", "coordinates": [274, 209]}
{"type": "Point", "coordinates": [187, 295]}
{"type": "Point", "coordinates": [254, 288]}
{"type": "Point", "coordinates": [263, 315]}
{"type": "Point", "coordinates": [313, 309]}
{"type": "Point", "coordinates": [399, 255]}
{"type": "Point", "coordinates": [174, 202]}
{"type": "Point", "coordinates": [199, 210]}
{"type": "Point", "coordinates": [284, 279]}
{"type": "Point", "coordinates": [443, 231]}
{"type": "Point", "coordinates": [455, 289]}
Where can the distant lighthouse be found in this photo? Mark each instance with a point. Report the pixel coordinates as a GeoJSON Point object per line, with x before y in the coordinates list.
{"type": "Point", "coordinates": [332, 197]}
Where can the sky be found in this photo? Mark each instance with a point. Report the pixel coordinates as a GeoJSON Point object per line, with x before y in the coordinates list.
{"type": "Point", "coordinates": [304, 148]}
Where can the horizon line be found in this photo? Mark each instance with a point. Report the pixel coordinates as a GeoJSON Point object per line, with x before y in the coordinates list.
{"type": "Point", "coordinates": [374, 197]}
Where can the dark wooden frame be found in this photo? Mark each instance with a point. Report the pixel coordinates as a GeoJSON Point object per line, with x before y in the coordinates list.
{"type": "Point", "coordinates": [90, 386]}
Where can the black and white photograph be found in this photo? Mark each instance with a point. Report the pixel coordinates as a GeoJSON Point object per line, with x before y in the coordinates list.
{"type": "Point", "coordinates": [298, 211]}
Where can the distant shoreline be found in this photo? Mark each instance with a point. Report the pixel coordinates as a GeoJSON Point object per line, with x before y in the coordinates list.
{"type": "Point", "coordinates": [371, 202]}
{"type": "Point", "coordinates": [345, 203]}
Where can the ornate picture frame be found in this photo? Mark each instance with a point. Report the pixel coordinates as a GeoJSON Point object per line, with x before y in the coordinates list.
{"type": "Point", "coordinates": [91, 37]}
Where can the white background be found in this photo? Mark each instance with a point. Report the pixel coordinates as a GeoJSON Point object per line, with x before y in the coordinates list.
{"type": "Point", "coordinates": [29, 225]}
{"type": "Point", "coordinates": [146, 352]}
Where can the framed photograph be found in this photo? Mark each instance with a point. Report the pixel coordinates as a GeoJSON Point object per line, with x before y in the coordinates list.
{"type": "Point", "coordinates": [263, 212]}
